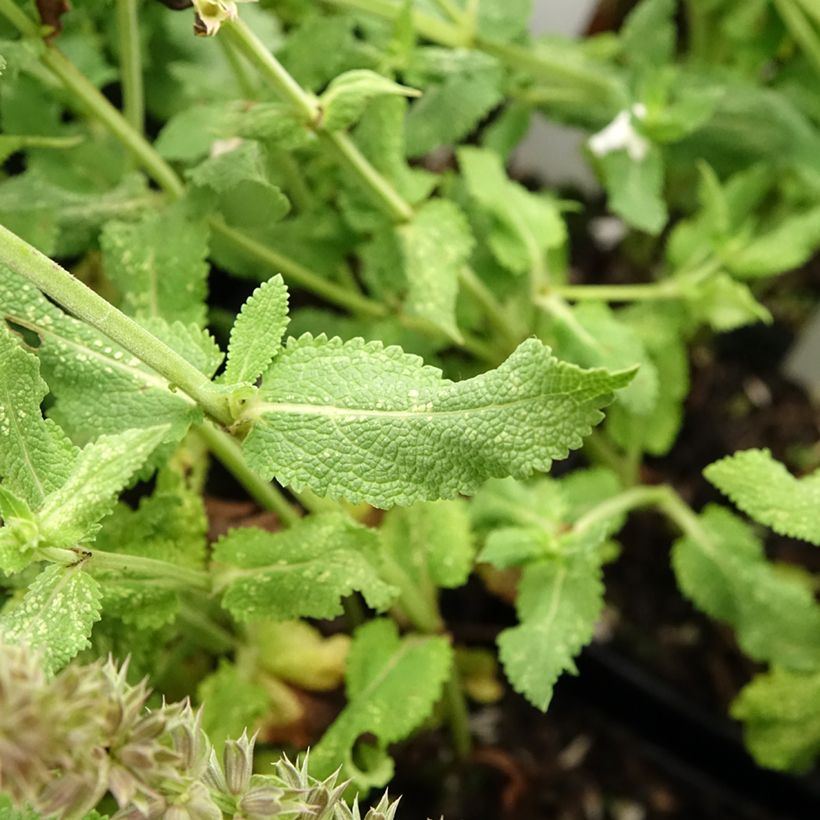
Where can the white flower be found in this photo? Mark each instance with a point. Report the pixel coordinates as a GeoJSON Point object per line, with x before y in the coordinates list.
{"type": "Point", "coordinates": [211, 14]}
{"type": "Point", "coordinates": [620, 134]}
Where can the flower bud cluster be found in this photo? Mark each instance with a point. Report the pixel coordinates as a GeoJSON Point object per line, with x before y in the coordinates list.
{"type": "Point", "coordinates": [66, 742]}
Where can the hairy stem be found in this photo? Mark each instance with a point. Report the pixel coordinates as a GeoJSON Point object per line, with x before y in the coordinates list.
{"type": "Point", "coordinates": [85, 304]}
{"type": "Point", "coordinates": [228, 451]}
{"type": "Point", "coordinates": [131, 64]}
{"type": "Point", "coordinates": [659, 291]}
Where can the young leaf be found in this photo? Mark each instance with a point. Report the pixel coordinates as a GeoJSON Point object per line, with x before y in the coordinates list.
{"type": "Point", "coordinates": [370, 423]}
{"type": "Point", "coordinates": [257, 332]}
{"type": "Point", "coordinates": [559, 602]}
{"type": "Point", "coordinates": [766, 491]}
{"type": "Point", "coordinates": [383, 670]}
{"type": "Point", "coordinates": [452, 108]}
{"type": "Point", "coordinates": [435, 247]}
{"type": "Point", "coordinates": [55, 616]}
{"type": "Point", "coordinates": [19, 534]}
{"type": "Point", "coordinates": [347, 96]}
{"type": "Point", "coordinates": [36, 456]}
{"type": "Point", "coordinates": [504, 19]}
{"type": "Point", "coordinates": [724, 571]}
{"type": "Point", "coordinates": [721, 301]}
{"type": "Point", "coordinates": [526, 224]}
{"type": "Point", "coordinates": [635, 188]}
{"type": "Point", "coordinates": [102, 470]}
{"type": "Point", "coordinates": [782, 724]}
{"type": "Point", "coordinates": [302, 572]}
{"type": "Point", "coordinates": [431, 542]}
{"type": "Point", "coordinates": [648, 33]}
{"type": "Point", "coordinates": [100, 387]}
{"type": "Point", "coordinates": [159, 265]}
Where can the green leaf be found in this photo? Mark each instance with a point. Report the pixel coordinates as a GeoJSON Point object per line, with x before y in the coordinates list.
{"type": "Point", "coordinates": [765, 490]}
{"type": "Point", "coordinates": [370, 423]}
{"type": "Point", "coordinates": [648, 33]}
{"type": "Point", "coordinates": [435, 246]}
{"type": "Point", "coordinates": [722, 302]}
{"type": "Point", "coordinates": [526, 225]}
{"type": "Point", "coordinates": [784, 247]}
{"type": "Point", "coordinates": [159, 265]}
{"type": "Point", "coordinates": [593, 335]}
{"type": "Point", "coordinates": [100, 387]}
{"type": "Point", "coordinates": [169, 525]}
{"type": "Point", "coordinates": [452, 108]}
{"type": "Point", "coordinates": [36, 457]}
{"type": "Point", "coordinates": [55, 616]}
{"type": "Point", "coordinates": [383, 670]}
{"type": "Point", "coordinates": [102, 470]}
{"type": "Point", "coordinates": [231, 703]}
{"type": "Point", "coordinates": [241, 186]}
{"type": "Point", "coordinates": [722, 568]}
{"type": "Point", "coordinates": [304, 571]}
{"type": "Point", "coordinates": [19, 534]}
{"type": "Point", "coordinates": [345, 99]}
{"type": "Point", "coordinates": [782, 722]}
{"type": "Point", "coordinates": [504, 19]}
{"type": "Point", "coordinates": [559, 603]}
{"type": "Point", "coordinates": [431, 542]}
{"type": "Point", "coordinates": [257, 332]}
{"type": "Point", "coordinates": [189, 135]}
{"type": "Point", "coordinates": [635, 188]}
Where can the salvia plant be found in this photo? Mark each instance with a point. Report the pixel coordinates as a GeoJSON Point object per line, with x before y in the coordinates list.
{"type": "Point", "coordinates": [406, 357]}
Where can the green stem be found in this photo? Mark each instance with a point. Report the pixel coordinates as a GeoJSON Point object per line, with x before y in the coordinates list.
{"type": "Point", "coordinates": [631, 499]}
{"type": "Point", "coordinates": [131, 64]}
{"type": "Point", "coordinates": [618, 293]}
{"type": "Point", "coordinates": [208, 633]}
{"type": "Point", "coordinates": [340, 144]}
{"type": "Point", "coordinates": [125, 564]}
{"type": "Point", "coordinates": [229, 452]}
{"type": "Point", "coordinates": [238, 68]}
{"type": "Point", "coordinates": [345, 150]}
{"type": "Point", "coordinates": [247, 43]}
{"type": "Point", "coordinates": [87, 305]}
{"type": "Point", "coordinates": [458, 715]}
{"type": "Point", "coordinates": [600, 450]}
{"type": "Point", "coordinates": [298, 274]}
{"type": "Point", "coordinates": [489, 304]}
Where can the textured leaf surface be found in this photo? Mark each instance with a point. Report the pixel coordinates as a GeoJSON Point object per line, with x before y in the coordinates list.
{"type": "Point", "coordinates": [55, 616]}
{"type": "Point", "coordinates": [304, 571]}
{"type": "Point", "coordinates": [765, 490]}
{"type": "Point", "coordinates": [383, 670]}
{"type": "Point", "coordinates": [723, 570]}
{"type": "Point", "coordinates": [257, 332]}
{"type": "Point", "coordinates": [159, 265]}
{"type": "Point", "coordinates": [35, 455]}
{"type": "Point", "coordinates": [370, 423]}
{"type": "Point", "coordinates": [559, 602]}
{"type": "Point", "coordinates": [102, 470]}
{"type": "Point", "coordinates": [435, 247]}
{"type": "Point", "coordinates": [781, 718]}
{"type": "Point", "coordinates": [100, 387]}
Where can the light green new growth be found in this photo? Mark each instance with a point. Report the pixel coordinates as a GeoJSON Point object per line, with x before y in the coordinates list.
{"type": "Point", "coordinates": [257, 333]}
{"type": "Point", "coordinates": [525, 225]}
{"type": "Point", "coordinates": [159, 264]}
{"type": "Point", "coordinates": [559, 602]}
{"type": "Point", "coordinates": [55, 615]}
{"type": "Point", "coordinates": [721, 566]}
{"type": "Point", "coordinates": [368, 423]}
{"type": "Point", "coordinates": [782, 722]}
{"type": "Point", "coordinates": [101, 471]}
{"type": "Point", "coordinates": [35, 455]}
{"type": "Point", "coordinates": [765, 490]}
{"type": "Point", "coordinates": [346, 97]}
{"type": "Point", "coordinates": [304, 571]}
{"type": "Point", "coordinates": [383, 672]}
